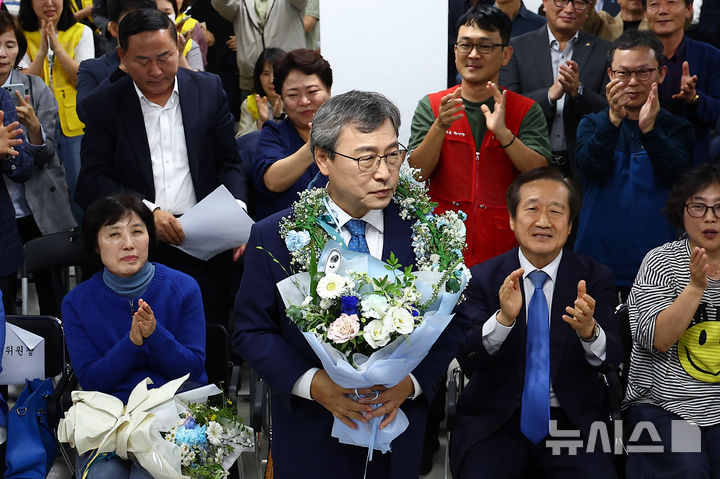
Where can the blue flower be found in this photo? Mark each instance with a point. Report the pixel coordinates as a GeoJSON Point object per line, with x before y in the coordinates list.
{"type": "Point", "coordinates": [462, 215]}
{"type": "Point", "coordinates": [191, 437]}
{"type": "Point", "coordinates": [296, 240]}
{"type": "Point", "coordinates": [349, 305]}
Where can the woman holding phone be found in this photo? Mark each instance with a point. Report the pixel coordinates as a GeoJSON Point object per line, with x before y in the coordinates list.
{"type": "Point", "coordinates": [56, 44]}
{"type": "Point", "coordinates": [41, 203]}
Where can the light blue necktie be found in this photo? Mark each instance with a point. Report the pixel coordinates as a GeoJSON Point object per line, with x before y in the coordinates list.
{"type": "Point", "coordinates": [535, 409]}
{"type": "Point", "coordinates": [357, 236]}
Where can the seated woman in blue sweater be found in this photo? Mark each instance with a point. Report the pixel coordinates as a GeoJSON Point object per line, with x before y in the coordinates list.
{"type": "Point", "coordinates": [135, 319]}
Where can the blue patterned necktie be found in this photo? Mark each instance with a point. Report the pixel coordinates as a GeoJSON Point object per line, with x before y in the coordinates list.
{"type": "Point", "coordinates": [357, 236]}
{"type": "Point", "coordinates": [535, 409]}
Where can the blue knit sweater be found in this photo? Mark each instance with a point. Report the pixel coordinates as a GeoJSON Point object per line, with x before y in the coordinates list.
{"type": "Point", "coordinates": [97, 326]}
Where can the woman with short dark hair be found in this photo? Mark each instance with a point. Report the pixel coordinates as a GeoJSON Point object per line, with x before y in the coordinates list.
{"type": "Point", "coordinates": [133, 320]}
{"type": "Point", "coordinates": [675, 323]}
{"type": "Point", "coordinates": [284, 164]}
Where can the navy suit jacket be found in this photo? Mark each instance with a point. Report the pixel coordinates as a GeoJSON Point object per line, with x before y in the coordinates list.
{"type": "Point", "coordinates": [496, 381]}
{"type": "Point", "coordinates": [278, 352]}
{"type": "Point", "coordinates": [92, 74]}
{"type": "Point", "coordinates": [115, 155]}
{"type": "Point", "coordinates": [529, 73]}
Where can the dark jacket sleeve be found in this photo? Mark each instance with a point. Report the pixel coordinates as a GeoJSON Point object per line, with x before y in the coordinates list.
{"type": "Point", "coordinates": [227, 159]}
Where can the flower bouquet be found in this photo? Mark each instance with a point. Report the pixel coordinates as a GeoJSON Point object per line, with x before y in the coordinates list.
{"type": "Point", "coordinates": [137, 430]}
{"type": "Point", "coordinates": [210, 438]}
{"type": "Point", "coordinates": [372, 322]}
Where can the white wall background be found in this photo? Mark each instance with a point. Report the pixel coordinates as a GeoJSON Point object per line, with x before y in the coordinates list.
{"type": "Point", "coordinates": [395, 47]}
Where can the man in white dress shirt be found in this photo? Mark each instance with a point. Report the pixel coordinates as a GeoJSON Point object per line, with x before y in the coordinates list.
{"type": "Point", "coordinates": [165, 134]}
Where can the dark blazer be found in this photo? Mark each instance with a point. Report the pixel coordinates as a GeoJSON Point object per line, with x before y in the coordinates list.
{"type": "Point", "coordinates": [94, 73]}
{"type": "Point", "coordinates": [115, 155]}
{"type": "Point", "coordinates": [277, 351]}
{"type": "Point", "coordinates": [529, 72]}
{"type": "Point", "coordinates": [496, 381]}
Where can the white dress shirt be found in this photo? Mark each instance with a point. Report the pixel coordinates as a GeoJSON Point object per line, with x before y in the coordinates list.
{"type": "Point", "coordinates": [374, 237]}
{"type": "Point", "coordinates": [174, 191]}
{"type": "Point", "coordinates": [558, 57]}
{"type": "Point", "coordinates": [494, 333]}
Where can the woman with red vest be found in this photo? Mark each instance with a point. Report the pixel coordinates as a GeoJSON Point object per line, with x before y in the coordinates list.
{"type": "Point", "coordinates": [57, 44]}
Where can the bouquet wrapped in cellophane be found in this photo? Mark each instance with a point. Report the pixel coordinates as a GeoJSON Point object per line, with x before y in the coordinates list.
{"type": "Point", "coordinates": [372, 322]}
{"type": "Point", "coordinates": [145, 430]}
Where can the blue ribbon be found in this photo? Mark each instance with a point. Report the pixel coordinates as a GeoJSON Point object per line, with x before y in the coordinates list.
{"type": "Point", "coordinates": [375, 424]}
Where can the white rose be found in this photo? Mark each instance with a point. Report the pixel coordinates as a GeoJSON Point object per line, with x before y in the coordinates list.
{"type": "Point", "coordinates": [344, 328]}
{"type": "Point", "coordinates": [374, 306]}
{"type": "Point", "coordinates": [331, 286]}
{"type": "Point", "coordinates": [375, 334]}
{"type": "Point", "coordinates": [399, 320]}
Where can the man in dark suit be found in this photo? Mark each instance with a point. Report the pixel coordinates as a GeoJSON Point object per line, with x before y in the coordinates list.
{"type": "Point", "coordinates": [563, 69]}
{"type": "Point", "coordinates": [304, 398]}
{"type": "Point", "coordinates": [169, 139]}
{"type": "Point", "coordinates": [542, 326]}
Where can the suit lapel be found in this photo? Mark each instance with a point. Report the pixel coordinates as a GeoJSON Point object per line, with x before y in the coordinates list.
{"type": "Point", "coordinates": [135, 135]}
{"type": "Point", "coordinates": [582, 49]}
{"type": "Point", "coordinates": [543, 62]}
{"type": "Point", "coordinates": [397, 236]}
{"type": "Point", "coordinates": [518, 336]}
{"type": "Point", "coordinates": [564, 295]}
{"type": "Point", "coordinates": [190, 108]}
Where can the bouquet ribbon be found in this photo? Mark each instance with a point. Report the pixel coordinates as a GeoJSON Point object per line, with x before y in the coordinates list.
{"type": "Point", "coordinates": [99, 421]}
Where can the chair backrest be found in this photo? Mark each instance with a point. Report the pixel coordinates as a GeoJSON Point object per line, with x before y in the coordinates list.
{"type": "Point", "coordinates": [217, 354]}
{"type": "Point", "coordinates": [55, 251]}
{"type": "Point", "coordinates": [50, 329]}
{"type": "Point", "coordinates": [246, 145]}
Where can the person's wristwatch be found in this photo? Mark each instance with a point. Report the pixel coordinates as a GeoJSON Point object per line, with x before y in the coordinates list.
{"type": "Point", "coordinates": [581, 89]}
{"type": "Point", "coordinates": [695, 100]}
{"type": "Point", "coordinates": [593, 337]}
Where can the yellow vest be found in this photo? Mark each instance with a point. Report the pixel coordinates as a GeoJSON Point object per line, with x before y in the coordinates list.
{"type": "Point", "coordinates": [64, 90]}
{"type": "Point", "coordinates": [187, 26]}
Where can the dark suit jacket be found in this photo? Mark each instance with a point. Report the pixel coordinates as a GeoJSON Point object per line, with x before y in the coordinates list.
{"type": "Point", "coordinates": [93, 74]}
{"type": "Point", "coordinates": [529, 72]}
{"type": "Point", "coordinates": [115, 154]}
{"type": "Point", "coordinates": [496, 381]}
{"type": "Point", "coordinates": [276, 350]}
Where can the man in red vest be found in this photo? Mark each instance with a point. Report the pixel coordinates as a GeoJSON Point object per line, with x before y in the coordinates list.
{"type": "Point", "coordinates": [471, 140]}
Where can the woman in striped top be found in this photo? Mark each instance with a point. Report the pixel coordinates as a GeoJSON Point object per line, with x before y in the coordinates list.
{"type": "Point", "coordinates": [674, 317]}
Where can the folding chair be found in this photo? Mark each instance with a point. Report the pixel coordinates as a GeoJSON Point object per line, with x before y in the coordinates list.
{"type": "Point", "coordinates": [58, 250]}
{"type": "Point", "coordinates": [56, 364]}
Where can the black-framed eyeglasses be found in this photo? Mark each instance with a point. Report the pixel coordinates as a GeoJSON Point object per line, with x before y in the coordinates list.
{"type": "Point", "coordinates": [699, 210]}
{"type": "Point", "coordinates": [370, 163]}
{"type": "Point", "coordinates": [578, 5]}
{"type": "Point", "coordinates": [641, 74]}
{"type": "Point", "coordinates": [484, 48]}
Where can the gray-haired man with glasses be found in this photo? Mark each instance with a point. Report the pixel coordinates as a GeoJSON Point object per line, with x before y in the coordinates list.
{"type": "Point", "coordinates": [562, 68]}
{"type": "Point", "coordinates": [629, 155]}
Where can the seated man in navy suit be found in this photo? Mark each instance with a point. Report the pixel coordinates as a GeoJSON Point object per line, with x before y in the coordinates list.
{"type": "Point", "coordinates": [166, 135]}
{"type": "Point", "coordinates": [542, 327]}
{"type": "Point", "coordinates": [304, 399]}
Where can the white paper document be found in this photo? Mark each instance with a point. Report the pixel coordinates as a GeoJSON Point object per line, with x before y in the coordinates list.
{"type": "Point", "coordinates": [215, 224]}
